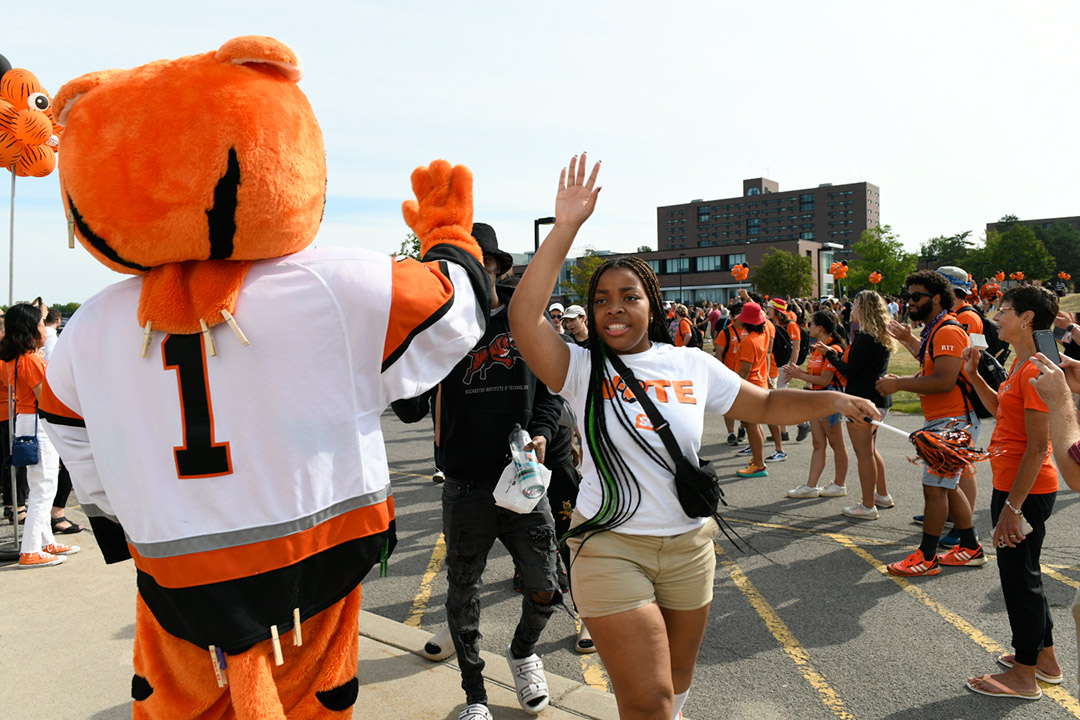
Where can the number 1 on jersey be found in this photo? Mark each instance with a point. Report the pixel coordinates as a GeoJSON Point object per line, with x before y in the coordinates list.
{"type": "Point", "coordinates": [200, 456]}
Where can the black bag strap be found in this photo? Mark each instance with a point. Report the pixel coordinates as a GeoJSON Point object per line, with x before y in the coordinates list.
{"type": "Point", "coordinates": [660, 425]}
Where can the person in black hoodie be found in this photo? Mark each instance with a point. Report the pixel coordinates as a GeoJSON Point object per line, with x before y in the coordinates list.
{"type": "Point", "coordinates": [481, 400]}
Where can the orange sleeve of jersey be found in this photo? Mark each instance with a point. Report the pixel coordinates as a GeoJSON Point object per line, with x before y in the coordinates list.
{"type": "Point", "coordinates": [422, 293]}
{"type": "Point", "coordinates": [55, 411]}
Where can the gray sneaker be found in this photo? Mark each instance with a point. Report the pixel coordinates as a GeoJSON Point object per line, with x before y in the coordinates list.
{"type": "Point", "coordinates": [804, 430]}
{"type": "Point", "coordinates": [778, 456]}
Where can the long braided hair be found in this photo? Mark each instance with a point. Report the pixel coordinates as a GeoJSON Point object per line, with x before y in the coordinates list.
{"type": "Point", "coordinates": [621, 494]}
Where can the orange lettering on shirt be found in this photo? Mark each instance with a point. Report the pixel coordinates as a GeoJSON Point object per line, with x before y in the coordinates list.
{"type": "Point", "coordinates": [684, 392]}
{"type": "Point", "coordinates": [660, 388]}
{"type": "Point", "coordinates": [642, 422]}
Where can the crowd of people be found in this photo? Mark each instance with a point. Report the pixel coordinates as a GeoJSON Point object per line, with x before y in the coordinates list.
{"type": "Point", "coordinates": [639, 569]}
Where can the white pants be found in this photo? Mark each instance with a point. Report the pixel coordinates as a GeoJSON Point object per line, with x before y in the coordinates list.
{"type": "Point", "coordinates": [42, 478]}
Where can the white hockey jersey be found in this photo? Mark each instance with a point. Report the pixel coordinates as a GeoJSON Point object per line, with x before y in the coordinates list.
{"type": "Point", "coordinates": [260, 472]}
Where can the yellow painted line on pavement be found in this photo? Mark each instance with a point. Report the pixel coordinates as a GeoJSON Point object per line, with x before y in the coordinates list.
{"type": "Point", "coordinates": [1055, 692]}
{"type": "Point", "coordinates": [1046, 570]}
{"type": "Point", "coordinates": [423, 597]}
{"type": "Point", "coordinates": [592, 668]}
{"type": "Point", "coordinates": [787, 640]}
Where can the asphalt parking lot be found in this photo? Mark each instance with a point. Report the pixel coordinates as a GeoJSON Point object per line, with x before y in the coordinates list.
{"type": "Point", "coordinates": [808, 624]}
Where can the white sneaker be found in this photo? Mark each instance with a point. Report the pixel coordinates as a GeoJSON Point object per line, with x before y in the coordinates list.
{"type": "Point", "coordinates": [883, 501]}
{"type": "Point", "coordinates": [834, 490]}
{"type": "Point", "coordinates": [530, 682]}
{"type": "Point", "coordinates": [804, 492]}
{"type": "Point", "coordinates": [858, 512]}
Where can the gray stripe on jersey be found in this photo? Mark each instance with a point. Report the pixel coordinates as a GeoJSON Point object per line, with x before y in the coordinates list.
{"type": "Point", "coordinates": [217, 541]}
{"type": "Point", "coordinates": [92, 510]}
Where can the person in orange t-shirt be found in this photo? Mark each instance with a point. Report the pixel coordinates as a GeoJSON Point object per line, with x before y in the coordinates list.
{"type": "Point", "coordinates": [24, 335]}
{"type": "Point", "coordinates": [1025, 487]}
{"type": "Point", "coordinates": [726, 350]}
{"type": "Point", "coordinates": [939, 350]}
{"type": "Point", "coordinates": [826, 432]}
{"type": "Point", "coordinates": [753, 367]}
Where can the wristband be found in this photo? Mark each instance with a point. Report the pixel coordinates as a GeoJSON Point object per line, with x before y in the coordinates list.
{"type": "Point", "coordinates": [1010, 506]}
{"type": "Point", "coordinates": [1074, 452]}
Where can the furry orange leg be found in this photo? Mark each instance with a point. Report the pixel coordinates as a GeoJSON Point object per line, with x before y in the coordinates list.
{"type": "Point", "coordinates": [175, 680]}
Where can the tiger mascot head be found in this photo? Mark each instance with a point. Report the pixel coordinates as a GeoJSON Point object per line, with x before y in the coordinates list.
{"type": "Point", "coordinates": [188, 170]}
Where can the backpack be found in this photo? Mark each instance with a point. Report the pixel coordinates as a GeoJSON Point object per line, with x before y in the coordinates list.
{"type": "Point", "coordinates": [726, 330]}
{"type": "Point", "coordinates": [697, 339]}
{"type": "Point", "coordinates": [994, 344]}
{"type": "Point", "coordinates": [804, 346]}
{"type": "Point", "coordinates": [989, 370]}
{"type": "Point", "coordinates": [781, 348]}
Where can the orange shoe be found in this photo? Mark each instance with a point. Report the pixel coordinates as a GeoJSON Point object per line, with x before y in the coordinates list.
{"type": "Point", "coordinates": [61, 549]}
{"type": "Point", "coordinates": [915, 564]}
{"type": "Point", "coordinates": [963, 557]}
{"type": "Point", "coordinates": [753, 470]}
{"type": "Point", "coordinates": [39, 559]}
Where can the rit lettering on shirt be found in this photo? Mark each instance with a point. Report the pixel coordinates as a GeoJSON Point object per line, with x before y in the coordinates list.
{"type": "Point", "coordinates": [664, 391]}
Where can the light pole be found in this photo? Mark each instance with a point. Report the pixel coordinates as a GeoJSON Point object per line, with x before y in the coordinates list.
{"type": "Point", "coordinates": [536, 230]}
{"type": "Point", "coordinates": [681, 256]}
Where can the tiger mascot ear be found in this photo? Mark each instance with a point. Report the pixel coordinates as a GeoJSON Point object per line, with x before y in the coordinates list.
{"type": "Point", "coordinates": [73, 90]}
{"type": "Point", "coordinates": [266, 51]}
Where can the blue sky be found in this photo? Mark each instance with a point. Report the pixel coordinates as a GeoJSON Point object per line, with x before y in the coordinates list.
{"type": "Point", "coordinates": [961, 112]}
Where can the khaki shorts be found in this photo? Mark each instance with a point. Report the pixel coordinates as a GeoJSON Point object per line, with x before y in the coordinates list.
{"type": "Point", "coordinates": [614, 572]}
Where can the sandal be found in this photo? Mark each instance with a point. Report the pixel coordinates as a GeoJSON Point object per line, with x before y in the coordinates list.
{"type": "Point", "coordinates": [530, 682]}
{"type": "Point", "coordinates": [71, 529]}
{"type": "Point", "coordinates": [8, 514]}
{"type": "Point", "coordinates": [585, 644]}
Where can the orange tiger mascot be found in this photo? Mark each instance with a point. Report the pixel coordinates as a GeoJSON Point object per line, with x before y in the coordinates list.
{"type": "Point", "coordinates": [219, 412]}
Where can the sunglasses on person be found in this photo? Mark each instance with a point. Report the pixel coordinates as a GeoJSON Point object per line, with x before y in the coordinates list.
{"type": "Point", "coordinates": [916, 296]}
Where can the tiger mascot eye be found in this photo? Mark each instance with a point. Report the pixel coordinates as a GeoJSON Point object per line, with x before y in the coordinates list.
{"type": "Point", "coordinates": [219, 411]}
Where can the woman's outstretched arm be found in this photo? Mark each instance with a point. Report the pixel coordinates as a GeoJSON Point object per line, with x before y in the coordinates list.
{"type": "Point", "coordinates": [544, 351]}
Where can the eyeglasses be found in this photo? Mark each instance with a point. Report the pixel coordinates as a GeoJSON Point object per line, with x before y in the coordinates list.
{"type": "Point", "coordinates": [1005, 309]}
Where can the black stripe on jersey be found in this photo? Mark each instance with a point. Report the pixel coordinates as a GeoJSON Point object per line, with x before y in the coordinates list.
{"type": "Point", "coordinates": [478, 278]}
{"type": "Point", "coordinates": [61, 419]}
{"type": "Point", "coordinates": [236, 614]}
{"type": "Point", "coordinates": [110, 538]}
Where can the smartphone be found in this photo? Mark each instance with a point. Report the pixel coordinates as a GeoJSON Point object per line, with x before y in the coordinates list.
{"type": "Point", "coordinates": [1047, 345]}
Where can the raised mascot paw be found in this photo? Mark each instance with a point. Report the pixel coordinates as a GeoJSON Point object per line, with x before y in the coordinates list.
{"type": "Point", "coordinates": [444, 204]}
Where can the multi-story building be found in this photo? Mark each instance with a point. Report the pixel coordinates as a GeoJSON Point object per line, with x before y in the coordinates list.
{"type": "Point", "coordinates": [828, 213]}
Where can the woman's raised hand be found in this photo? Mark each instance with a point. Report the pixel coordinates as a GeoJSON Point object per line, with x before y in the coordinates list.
{"type": "Point", "coordinates": [1055, 385]}
{"type": "Point", "coordinates": [576, 199]}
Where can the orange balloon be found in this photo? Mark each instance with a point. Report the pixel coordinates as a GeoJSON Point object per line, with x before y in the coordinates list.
{"type": "Point", "coordinates": [28, 135]}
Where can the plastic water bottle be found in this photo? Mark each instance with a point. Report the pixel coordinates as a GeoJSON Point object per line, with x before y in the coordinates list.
{"type": "Point", "coordinates": [528, 472]}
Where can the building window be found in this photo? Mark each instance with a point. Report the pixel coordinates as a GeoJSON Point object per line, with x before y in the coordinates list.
{"type": "Point", "coordinates": [753, 226]}
{"type": "Point", "coordinates": [753, 191]}
{"type": "Point", "coordinates": [655, 265]}
{"type": "Point", "coordinates": [676, 265]}
{"type": "Point", "coordinates": [809, 235]}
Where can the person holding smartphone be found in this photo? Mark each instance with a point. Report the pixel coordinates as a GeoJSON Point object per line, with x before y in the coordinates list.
{"type": "Point", "coordinates": [1025, 487]}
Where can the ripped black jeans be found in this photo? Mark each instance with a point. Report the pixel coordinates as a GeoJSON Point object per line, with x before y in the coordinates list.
{"type": "Point", "coordinates": [471, 524]}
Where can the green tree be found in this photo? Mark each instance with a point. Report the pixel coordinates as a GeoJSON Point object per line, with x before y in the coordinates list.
{"type": "Point", "coordinates": [410, 247]}
{"type": "Point", "coordinates": [65, 309]}
{"type": "Point", "coordinates": [1019, 249]}
{"type": "Point", "coordinates": [782, 273]}
{"type": "Point", "coordinates": [581, 272]}
{"type": "Point", "coordinates": [1062, 241]}
{"type": "Point", "coordinates": [948, 250]}
{"type": "Point", "coordinates": [879, 248]}
{"type": "Point", "coordinates": [644, 249]}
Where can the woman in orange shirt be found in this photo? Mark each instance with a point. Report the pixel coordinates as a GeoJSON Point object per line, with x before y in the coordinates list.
{"type": "Point", "coordinates": [24, 335]}
{"type": "Point", "coordinates": [753, 356]}
{"type": "Point", "coordinates": [1025, 487]}
{"type": "Point", "coordinates": [825, 330]}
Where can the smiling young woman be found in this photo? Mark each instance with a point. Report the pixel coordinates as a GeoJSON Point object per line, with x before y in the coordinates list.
{"type": "Point", "coordinates": [642, 570]}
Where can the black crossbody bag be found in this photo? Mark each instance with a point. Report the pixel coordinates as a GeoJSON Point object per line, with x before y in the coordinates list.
{"type": "Point", "coordinates": [700, 494]}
